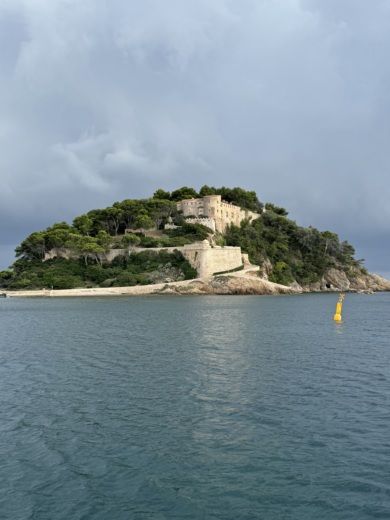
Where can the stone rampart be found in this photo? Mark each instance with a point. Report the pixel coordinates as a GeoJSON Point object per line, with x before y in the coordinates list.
{"type": "Point", "coordinates": [208, 222]}
{"type": "Point", "coordinates": [206, 259]}
{"type": "Point", "coordinates": [60, 252]}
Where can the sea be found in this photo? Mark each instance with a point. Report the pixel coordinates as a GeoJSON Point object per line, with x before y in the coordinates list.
{"type": "Point", "coordinates": [198, 407]}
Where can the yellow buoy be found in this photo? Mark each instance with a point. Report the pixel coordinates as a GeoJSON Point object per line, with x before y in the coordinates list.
{"type": "Point", "coordinates": [339, 308]}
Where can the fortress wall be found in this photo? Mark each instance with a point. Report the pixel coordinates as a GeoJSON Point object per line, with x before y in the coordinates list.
{"type": "Point", "coordinates": [212, 206]}
{"type": "Point", "coordinates": [191, 207]}
{"type": "Point", "coordinates": [205, 259]}
{"type": "Point", "coordinates": [208, 260]}
{"type": "Point", "coordinates": [221, 259]}
{"type": "Point", "coordinates": [59, 252]}
{"type": "Point", "coordinates": [208, 222]}
{"type": "Point", "coordinates": [251, 215]}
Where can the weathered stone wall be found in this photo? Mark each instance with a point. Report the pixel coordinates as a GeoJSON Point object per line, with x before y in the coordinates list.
{"type": "Point", "coordinates": [113, 253]}
{"type": "Point", "coordinates": [205, 259]}
{"type": "Point", "coordinates": [212, 206]}
{"type": "Point", "coordinates": [68, 254]}
{"type": "Point", "coordinates": [208, 222]}
{"type": "Point", "coordinates": [60, 252]}
{"type": "Point", "coordinates": [208, 260]}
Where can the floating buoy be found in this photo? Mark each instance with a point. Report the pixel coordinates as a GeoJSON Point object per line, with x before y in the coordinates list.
{"type": "Point", "coordinates": [339, 308]}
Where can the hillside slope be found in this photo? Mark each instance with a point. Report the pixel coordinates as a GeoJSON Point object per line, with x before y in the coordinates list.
{"type": "Point", "coordinates": [289, 255]}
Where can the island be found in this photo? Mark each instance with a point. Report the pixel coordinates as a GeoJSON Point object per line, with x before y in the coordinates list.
{"type": "Point", "coordinates": [215, 241]}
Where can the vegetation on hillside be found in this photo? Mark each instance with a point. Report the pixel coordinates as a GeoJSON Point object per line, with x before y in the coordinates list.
{"type": "Point", "coordinates": [138, 268]}
{"type": "Point", "coordinates": [296, 253]}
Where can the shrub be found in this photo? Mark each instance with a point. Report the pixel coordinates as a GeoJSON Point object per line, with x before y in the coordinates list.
{"type": "Point", "coordinates": [130, 240]}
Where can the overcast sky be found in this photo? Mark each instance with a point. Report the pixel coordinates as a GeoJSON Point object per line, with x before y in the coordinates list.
{"type": "Point", "coordinates": [102, 100]}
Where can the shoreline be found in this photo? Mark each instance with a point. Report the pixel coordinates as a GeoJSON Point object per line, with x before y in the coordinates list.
{"type": "Point", "coordinates": [243, 282]}
{"type": "Point", "coordinates": [232, 284]}
{"type": "Point", "coordinates": [135, 290]}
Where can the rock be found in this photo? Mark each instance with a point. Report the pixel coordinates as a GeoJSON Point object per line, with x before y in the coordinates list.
{"type": "Point", "coordinates": [266, 269]}
{"type": "Point", "coordinates": [165, 275]}
{"type": "Point", "coordinates": [295, 285]}
{"type": "Point", "coordinates": [370, 282]}
{"type": "Point", "coordinates": [232, 284]}
{"type": "Point", "coordinates": [336, 280]}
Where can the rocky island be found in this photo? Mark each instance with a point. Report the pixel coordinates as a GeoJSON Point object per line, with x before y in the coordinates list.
{"type": "Point", "coordinates": [215, 241]}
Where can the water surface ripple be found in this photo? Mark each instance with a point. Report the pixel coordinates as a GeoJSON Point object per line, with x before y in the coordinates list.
{"type": "Point", "coordinates": [195, 408]}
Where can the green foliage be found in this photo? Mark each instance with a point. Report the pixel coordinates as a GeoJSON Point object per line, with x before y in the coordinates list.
{"type": "Point", "coordinates": [143, 221]}
{"type": "Point", "coordinates": [184, 193]}
{"type": "Point", "coordinates": [281, 273]}
{"type": "Point", "coordinates": [33, 247]}
{"type": "Point", "coordinates": [5, 278]}
{"type": "Point", "coordinates": [219, 240]}
{"type": "Point", "coordinates": [296, 253]}
{"type": "Point", "coordinates": [151, 242]}
{"type": "Point", "coordinates": [67, 274]}
{"type": "Point", "coordinates": [161, 194]}
{"type": "Point", "coordinates": [238, 196]}
{"type": "Point", "coordinates": [207, 190]}
{"type": "Point", "coordinates": [244, 199]}
{"type": "Point", "coordinates": [85, 246]}
{"type": "Point", "coordinates": [191, 232]}
{"type": "Point", "coordinates": [276, 209]}
{"type": "Point", "coordinates": [83, 224]}
{"type": "Point", "coordinates": [129, 213]}
{"type": "Point", "coordinates": [130, 240]}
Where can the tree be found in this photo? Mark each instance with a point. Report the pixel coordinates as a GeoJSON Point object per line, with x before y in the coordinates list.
{"type": "Point", "coordinates": [114, 216]}
{"type": "Point", "coordinates": [103, 239]}
{"type": "Point", "coordinates": [57, 235]}
{"type": "Point", "coordinates": [207, 190]}
{"type": "Point", "coordinates": [86, 247]}
{"type": "Point", "coordinates": [130, 209]}
{"type": "Point", "coordinates": [5, 278]}
{"type": "Point", "coordinates": [159, 210]}
{"type": "Point", "coordinates": [33, 247]}
{"type": "Point", "coordinates": [184, 193]}
{"type": "Point", "coordinates": [143, 221]}
{"type": "Point", "coordinates": [129, 240]}
{"type": "Point", "coordinates": [276, 209]}
{"type": "Point", "coordinates": [331, 243]}
{"type": "Point", "coordinates": [83, 224]}
{"type": "Point", "coordinates": [161, 194]}
{"type": "Point", "coordinates": [240, 197]}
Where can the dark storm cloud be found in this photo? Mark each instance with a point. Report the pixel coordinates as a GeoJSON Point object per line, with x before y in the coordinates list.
{"type": "Point", "coordinates": [106, 100]}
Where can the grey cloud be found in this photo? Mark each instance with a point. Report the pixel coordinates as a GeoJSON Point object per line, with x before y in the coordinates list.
{"type": "Point", "coordinates": [105, 100]}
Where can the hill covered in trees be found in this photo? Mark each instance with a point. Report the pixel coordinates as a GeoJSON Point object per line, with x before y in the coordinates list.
{"type": "Point", "coordinates": [285, 251]}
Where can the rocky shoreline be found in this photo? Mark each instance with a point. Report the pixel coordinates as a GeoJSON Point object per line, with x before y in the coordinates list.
{"type": "Point", "coordinates": [241, 283]}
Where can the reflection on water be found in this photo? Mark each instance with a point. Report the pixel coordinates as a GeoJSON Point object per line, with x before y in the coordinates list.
{"type": "Point", "coordinates": [212, 407]}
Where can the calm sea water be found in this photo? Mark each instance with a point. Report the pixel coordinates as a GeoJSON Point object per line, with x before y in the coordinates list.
{"type": "Point", "coordinates": [195, 408]}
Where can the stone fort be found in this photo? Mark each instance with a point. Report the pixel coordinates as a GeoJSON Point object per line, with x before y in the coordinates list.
{"type": "Point", "coordinates": [206, 258]}
{"type": "Point", "coordinates": [213, 212]}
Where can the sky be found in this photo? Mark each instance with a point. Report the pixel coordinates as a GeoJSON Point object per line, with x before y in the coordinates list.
{"type": "Point", "coordinates": [103, 100]}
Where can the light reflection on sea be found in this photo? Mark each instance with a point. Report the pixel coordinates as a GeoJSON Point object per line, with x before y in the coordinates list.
{"type": "Point", "coordinates": [195, 407]}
